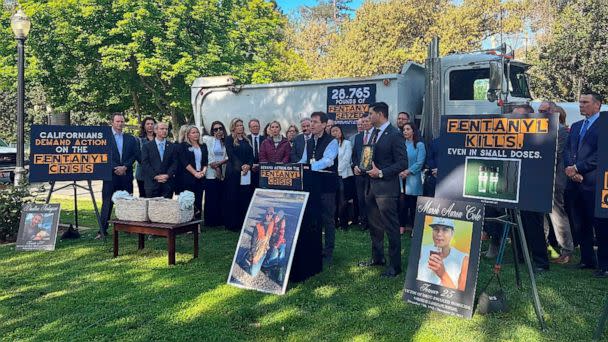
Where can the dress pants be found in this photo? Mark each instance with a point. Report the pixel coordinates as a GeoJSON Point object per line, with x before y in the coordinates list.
{"type": "Point", "coordinates": [360, 184]}
{"type": "Point", "coordinates": [124, 183]}
{"type": "Point", "coordinates": [582, 212]}
{"type": "Point", "coordinates": [160, 190]}
{"type": "Point", "coordinates": [383, 218]}
{"type": "Point", "coordinates": [328, 212]}
{"type": "Point", "coordinates": [560, 223]}
{"type": "Point", "coordinates": [533, 226]}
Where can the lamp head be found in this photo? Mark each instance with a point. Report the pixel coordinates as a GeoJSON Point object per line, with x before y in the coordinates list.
{"type": "Point", "coordinates": [20, 23]}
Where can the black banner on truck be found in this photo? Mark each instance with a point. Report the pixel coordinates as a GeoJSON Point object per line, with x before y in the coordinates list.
{"type": "Point", "coordinates": [444, 256]}
{"type": "Point", "coordinates": [281, 176]}
{"type": "Point", "coordinates": [67, 153]}
{"type": "Point", "coordinates": [346, 104]}
{"type": "Point", "coordinates": [506, 161]}
{"type": "Point", "coordinates": [601, 208]}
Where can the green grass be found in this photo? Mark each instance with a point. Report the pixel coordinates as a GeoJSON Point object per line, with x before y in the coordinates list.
{"type": "Point", "coordinates": [79, 292]}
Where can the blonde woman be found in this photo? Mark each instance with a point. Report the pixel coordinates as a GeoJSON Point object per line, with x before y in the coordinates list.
{"type": "Point", "coordinates": [240, 160]}
{"type": "Point", "coordinates": [193, 166]}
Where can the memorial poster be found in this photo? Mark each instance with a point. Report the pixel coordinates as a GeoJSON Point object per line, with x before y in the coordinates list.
{"type": "Point", "coordinates": [281, 176]}
{"type": "Point", "coordinates": [506, 161]}
{"type": "Point", "coordinates": [444, 256]}
{"type": "Point", "coordinates": [347, 103]}
{"type": "Point", "coordinates": [68, 153]}
{"type": "Point", "coordinates": [38, 227]}
{"type": "Point", "coordinates": [265, 250]}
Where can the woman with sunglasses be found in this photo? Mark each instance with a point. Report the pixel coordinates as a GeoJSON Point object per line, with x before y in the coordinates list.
{"type": "Point", "coordinates": [214, 178]}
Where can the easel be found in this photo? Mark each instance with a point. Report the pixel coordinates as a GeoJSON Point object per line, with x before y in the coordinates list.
{"type": "Point", "coordinates": [513, 219]}
{"type": "Point", "coordinates": [75, 186]}
{"type": "Point", "coordinates": [602, 324]}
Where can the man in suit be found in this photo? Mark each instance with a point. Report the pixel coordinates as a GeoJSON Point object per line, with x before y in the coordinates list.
{"type": "Point", "coordinates": [159, 159]}
{"type": "Point", "coordinates": [402, 119]}
{"type": "Point", "coordinates": [299, 142]}
{"type": "Point", "coordinates": [558, 232]}
{"type": "Point", "coordinates": [382, 192]}
{"type": "Point", "coordinates": [256, 141]}
{"type": "Point", "coordinates": [580, 157]}
{"type": "Point", "coordinates": [125, 151]}
{"type": "Point", "coordinates": [361, 138]}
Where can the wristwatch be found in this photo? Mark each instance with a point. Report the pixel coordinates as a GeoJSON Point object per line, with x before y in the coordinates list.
{"type": "Point", "coordinates": [380, 175]}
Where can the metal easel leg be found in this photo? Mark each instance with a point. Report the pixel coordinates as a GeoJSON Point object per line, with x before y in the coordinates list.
{"type": "Point", "coordinates": [602, 324]}
{"type": "Point", "coordinates": [526, 253]}
{"type": "Point", "coordinates": [90, 188]}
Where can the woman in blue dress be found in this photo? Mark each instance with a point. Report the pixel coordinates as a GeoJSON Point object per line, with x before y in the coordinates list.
{"type": "Point", "coordinates": [411, 178]}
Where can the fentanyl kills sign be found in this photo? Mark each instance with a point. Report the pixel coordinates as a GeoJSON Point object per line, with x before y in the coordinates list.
{"type": "Point", "coordinates": [444, 256]}
{"type": "Point", "coordinates": [67, 153]}
{"type": "Point", "coordinates": [346, 104]}
{"type": "Point", "coordinates": [506, 161]}
{"type": "Point", "coordinates": [601, 208]}
{"type": "Point", "coordinates": [281, 176]}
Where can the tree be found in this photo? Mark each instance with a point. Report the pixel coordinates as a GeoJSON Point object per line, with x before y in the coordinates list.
{"type": "Point", "coordinates": [142, 56]}
{"type": "Point", "coordinates": [574, 58]}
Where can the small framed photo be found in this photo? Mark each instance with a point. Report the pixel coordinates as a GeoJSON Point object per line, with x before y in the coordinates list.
{"type": "Point", "coordinates": [367, 155]}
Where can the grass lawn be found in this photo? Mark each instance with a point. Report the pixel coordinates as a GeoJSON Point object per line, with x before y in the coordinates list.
{"type": "Point", "coordinates": [79, 292]}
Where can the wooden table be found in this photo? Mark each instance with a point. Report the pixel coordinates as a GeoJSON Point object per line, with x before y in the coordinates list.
{"type": "Point", "coordinates": [157, 229]}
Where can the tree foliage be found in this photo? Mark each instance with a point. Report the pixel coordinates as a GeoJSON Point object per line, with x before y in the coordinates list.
{"type": "Point", "coordinates": [142, 56]}
{"type": "Point", "coordinates": [575, 56]}
{"type": "Point", "coordinates": [385, 34]}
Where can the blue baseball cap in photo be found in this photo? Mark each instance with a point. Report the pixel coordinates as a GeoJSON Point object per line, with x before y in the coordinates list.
{"type": "Point", "coordinates": [442, 221]}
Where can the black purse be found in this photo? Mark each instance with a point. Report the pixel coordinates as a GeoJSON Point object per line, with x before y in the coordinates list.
{"type": "Point", "coordinates": [492, 302]}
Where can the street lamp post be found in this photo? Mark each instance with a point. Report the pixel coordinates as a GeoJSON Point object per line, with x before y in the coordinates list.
{"type": "Point", "coordinates": [20, 24]}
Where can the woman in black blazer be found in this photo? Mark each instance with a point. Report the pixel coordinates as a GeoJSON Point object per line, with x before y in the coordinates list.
{"type": "Point", "coordinates": [193, 161]}
{"type": "Point", "coordinates": [240, 159]}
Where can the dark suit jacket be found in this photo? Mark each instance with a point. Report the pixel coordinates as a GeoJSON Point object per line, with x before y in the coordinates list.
{"type": "Point", "coordinates": [152, 166]}
{"type": "Point", "coordinates": [583, 155]}
{"type": "Point", "coordinates": [297, 150]}
{"type": "Point", "coordinates": [390, 156]}
{"type": "Point", "coordinates": [357, 148]}
{"type": "Point", "coordinates": [186, 157]}
{"type": "Point", "coordinates": [560, 176]}
{"type": "Point", "coordinates": [261, 138]}
{"type": "Point", "coordinates": [130, 152]}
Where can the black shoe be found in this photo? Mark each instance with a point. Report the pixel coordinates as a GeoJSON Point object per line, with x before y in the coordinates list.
{"type": "Point", "coordinates": [391, 272]}
{"type": "Point", "coordinates": [539, 270]}
{"type": "Point", "coordinates": [99, 236]}
{"type": "Point", "coordinates": [601, 274]}
{"type": "Point", "coordinates": [583, 266]}
{"type": "Point", "coordinates": [370, 263]}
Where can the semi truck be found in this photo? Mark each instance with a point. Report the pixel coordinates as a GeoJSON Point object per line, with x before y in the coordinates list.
{"type": "Point", "coordinates": [483, 82]}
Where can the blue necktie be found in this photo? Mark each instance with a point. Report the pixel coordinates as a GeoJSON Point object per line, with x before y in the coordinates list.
{"type": "Point", "coordinates": [583, 131]}
{"type": "Point", "coordinates": [161, 150]}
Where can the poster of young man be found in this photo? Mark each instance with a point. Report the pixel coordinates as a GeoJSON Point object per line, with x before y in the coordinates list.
{"type": "Point", "coordinates": [38, 227]}
{"type": "Point", "coordinates": [264, 253]}
{"type": "Point", "coordinates": [347, 104]}
{"type": "Point", "coordinates": [444, 256]}
{"type": "Point", "coordinates": [67, 153]}
{"type": "Point", "coordinates": [506, 161]}
{"type": "Point", "coordinates": [601, 208]}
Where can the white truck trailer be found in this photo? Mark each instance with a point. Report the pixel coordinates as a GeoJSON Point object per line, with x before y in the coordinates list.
{"type": "Point", "coordinates": [471, 83]}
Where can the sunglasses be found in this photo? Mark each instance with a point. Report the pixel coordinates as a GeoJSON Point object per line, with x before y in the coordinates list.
{"type": "Point", "coordinates": [215, 129]}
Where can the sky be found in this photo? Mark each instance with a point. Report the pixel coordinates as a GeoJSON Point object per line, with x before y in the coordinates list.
{"type": "Point", "coordinates": [289, 5]}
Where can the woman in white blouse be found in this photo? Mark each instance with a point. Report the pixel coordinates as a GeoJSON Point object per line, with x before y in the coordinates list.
{"type": "Point", "coordinates": [346, 185]}
{"type": "Point", "coordinates": [215, 174]}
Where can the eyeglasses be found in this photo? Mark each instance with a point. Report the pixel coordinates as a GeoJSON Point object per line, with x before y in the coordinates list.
{"type": "Point", "coordinates": [215, 129]}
